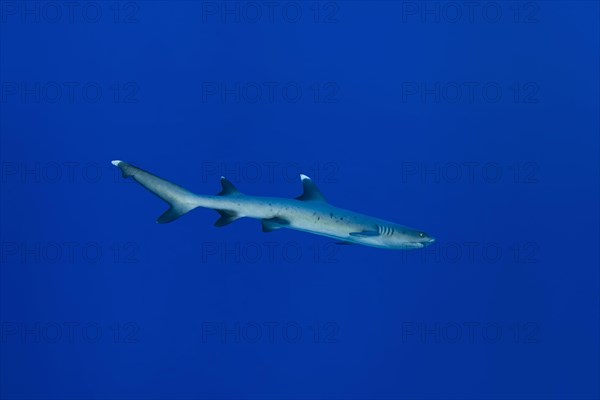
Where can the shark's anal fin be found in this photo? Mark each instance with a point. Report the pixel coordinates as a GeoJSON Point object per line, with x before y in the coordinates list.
{"type": "Point", "coordinates": [272, 224]}
{"type": "Point", "coordinates": [227, 217]}
{"type": "Point", "coordinates": [311, 191]}
{"type": "Point", "coordinates": [365, 233]}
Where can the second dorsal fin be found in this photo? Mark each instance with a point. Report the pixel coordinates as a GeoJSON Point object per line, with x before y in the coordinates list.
{"type": "Point", "coordinates": [228, 188]}
{"type": "Point", "coordinates": [311, 191]}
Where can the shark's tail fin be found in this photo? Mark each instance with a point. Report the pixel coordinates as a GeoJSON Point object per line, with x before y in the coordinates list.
{"type": "Point", "coordinates": [180, 200]}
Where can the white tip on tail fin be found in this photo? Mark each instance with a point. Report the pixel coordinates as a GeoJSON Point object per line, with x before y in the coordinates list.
{"type": "Point", "coordinates": [180, 200]}
{"type": "Point", "coordinates": [304, 177]}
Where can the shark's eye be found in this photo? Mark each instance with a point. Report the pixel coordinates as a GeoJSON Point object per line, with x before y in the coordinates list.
{"type": "Point", "coordinates": [421, 234]}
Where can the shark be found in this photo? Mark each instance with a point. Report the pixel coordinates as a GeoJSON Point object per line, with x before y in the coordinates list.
{"type": "Point", "coordinates": [310, 212]}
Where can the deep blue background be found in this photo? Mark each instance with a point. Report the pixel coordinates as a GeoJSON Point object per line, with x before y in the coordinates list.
{"type": "Point", "coordinates": [385, 317]}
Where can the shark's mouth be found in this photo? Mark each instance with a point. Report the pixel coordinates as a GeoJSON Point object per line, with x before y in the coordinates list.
{"type": "Point", "coordinates": [413, 245]}
{"type": "Point", "coordinates": [417, 245]}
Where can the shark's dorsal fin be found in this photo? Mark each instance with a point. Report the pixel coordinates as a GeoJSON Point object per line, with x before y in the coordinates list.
{"type": "Point", "coordinates": [311, 191]}
{"type": "Point", "coordinates": [228, 188]}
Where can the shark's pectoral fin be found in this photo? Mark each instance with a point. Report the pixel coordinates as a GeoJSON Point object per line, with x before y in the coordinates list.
{"type": "Point", "coordinates": [227, 217]}
{"type": "Point", "coordinates": [365, 233]}
{"type": "Point", "coordinates": [344, 243]}
{"type": "Point", "coordinates": [272, 224]}
{"type": "Point", "coordinates": [266, 227]}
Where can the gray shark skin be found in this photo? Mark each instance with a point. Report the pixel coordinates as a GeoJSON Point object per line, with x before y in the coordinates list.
{"type": "Point", "coordinates": [309, 212]}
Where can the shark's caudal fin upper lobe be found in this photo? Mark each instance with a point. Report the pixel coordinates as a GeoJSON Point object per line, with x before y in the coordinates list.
{"type": "Point", "coordinates": [180, 200]}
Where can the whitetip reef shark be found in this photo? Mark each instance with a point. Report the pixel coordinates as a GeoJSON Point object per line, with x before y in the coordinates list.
{"type": "Point", "coordinates": [309, 212]}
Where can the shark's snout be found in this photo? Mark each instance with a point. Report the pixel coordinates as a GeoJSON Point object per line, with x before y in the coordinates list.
{"type": "Point", "coordinates": [429, 241]}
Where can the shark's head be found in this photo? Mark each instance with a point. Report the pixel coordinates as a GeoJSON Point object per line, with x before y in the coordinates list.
{"type": "Point", "coordinates": [407, 238]}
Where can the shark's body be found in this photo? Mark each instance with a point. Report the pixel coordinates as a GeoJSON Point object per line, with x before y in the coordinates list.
{"type": "Point", "coordinates": [309, 212]}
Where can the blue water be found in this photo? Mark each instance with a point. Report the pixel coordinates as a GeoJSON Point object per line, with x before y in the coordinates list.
{"type": "Point", "coordinates": [475, 123]}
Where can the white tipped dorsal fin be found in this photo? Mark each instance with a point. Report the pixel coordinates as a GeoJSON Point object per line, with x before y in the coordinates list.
{"type": "Point", "coordinates": [116, 162]}
{"type": "Point", "coordinates": [311, 191]}
{"type": "Point", "coordinates": [228, 188]}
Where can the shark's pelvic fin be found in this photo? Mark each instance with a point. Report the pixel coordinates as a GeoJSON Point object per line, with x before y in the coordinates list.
{"type": "Point", "coordinates": [311, 191]}
{"type": "Point", "coordinates": [364, 233]}
{"type": "Point", "coordinates": [272, 224]}
{"type": "Point", "coordinates": [180, 200]}
{"type": "Point", "coordinates": [228, 188]}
